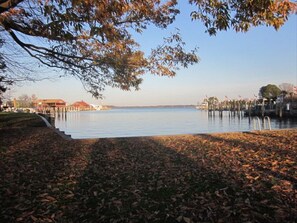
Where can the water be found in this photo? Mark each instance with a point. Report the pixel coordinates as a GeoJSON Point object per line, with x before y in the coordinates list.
{"type": "Point", "coordinates": [127, 122]}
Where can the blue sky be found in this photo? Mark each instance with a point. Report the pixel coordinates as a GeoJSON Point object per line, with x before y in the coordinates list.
{"type": "Point", "coordinates": [231, 64]}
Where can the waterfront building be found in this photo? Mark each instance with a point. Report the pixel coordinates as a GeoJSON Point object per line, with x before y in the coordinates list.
{"type": "Point", "coordinates": [80, 106]}
{"type": "Point", "coordinates": [49, 105]}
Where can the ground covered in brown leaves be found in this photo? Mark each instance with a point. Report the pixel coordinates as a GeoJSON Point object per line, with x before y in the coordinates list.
{"type": "Point", "coordinates": [234, 177]}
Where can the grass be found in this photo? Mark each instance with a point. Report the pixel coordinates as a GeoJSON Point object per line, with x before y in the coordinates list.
{"type": "Point", "coordinates": [19, 120]}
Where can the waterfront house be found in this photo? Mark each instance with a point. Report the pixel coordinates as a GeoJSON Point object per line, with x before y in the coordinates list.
{"type": "Point", "coordinates": [42, 105]}
{"type": "Point", "coordinates": [81, 106]}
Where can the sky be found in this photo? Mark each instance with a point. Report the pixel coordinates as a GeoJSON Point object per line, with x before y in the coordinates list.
{"type": "Point", "coordinates": [231, 64]}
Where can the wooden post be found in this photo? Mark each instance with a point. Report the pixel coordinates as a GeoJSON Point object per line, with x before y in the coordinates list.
{"type": "Point", "coordinates": [263, 108]}
{"type": "Point", "coordinates": [250, 109]}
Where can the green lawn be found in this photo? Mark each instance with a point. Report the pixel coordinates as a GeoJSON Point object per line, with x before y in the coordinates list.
{"type": "Point", "coordinates": [20, 120]}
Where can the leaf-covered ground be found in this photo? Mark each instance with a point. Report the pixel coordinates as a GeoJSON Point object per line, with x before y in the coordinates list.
{"type": "Point", "coordinates": [234, 177]}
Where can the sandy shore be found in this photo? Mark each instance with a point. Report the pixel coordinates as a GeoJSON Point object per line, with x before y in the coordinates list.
{"type": "Point", "coordinates": [234, 177]}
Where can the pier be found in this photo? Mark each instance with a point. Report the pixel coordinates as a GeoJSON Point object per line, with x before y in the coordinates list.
{"type": "Point", "coordinates": [281, 108]}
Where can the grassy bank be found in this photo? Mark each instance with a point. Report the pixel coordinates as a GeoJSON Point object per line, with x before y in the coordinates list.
{"type": "Point", "coordinates": [13, 120]}
{"type": "Point", "coordinates": [235, 177]}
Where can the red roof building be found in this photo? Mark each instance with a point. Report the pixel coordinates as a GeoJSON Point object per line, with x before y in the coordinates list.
{"type": "Point", "coordinates": [80, 105]}
{"type": "Point", "coordinates": [50, 103]}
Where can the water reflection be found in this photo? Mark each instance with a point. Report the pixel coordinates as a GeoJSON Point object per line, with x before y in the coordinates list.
{"type": "Point", "coordinates": [156, 121]}
{"type": "Point", "coordinates": [227, 121]}
{"type": "Point", "coordinates": [61, 116]}
{"type": "Point", "coordinates": [285, 123]}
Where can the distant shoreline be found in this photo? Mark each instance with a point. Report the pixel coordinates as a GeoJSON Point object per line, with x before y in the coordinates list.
{"type": "Point", "coordinates": [152, 106]}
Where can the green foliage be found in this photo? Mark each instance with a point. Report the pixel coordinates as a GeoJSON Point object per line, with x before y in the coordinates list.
{"type": "Point", "coordinates": [269, 91]}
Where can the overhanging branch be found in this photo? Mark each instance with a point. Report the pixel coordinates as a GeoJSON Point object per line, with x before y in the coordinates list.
{"type": "Point", "coordinates": [5, 5]}
{"type": "Point", "coordinates": [48, 52]}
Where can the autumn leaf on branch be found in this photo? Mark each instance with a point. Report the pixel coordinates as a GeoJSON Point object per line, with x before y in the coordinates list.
{"type": "Point", "coordinates": [219, 15]}
{"type": "Point", "coordinates": [93, 40]}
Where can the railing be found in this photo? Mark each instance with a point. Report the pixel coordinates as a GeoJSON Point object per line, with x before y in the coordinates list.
{"type": "Point", "coordinates": [256, 120]}
{"type": "Point", "coordinates": [265, 123]}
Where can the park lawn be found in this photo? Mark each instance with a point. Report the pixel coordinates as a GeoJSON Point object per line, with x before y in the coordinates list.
{"type": "Point", "coordinates": [10, 120]}
{"type": "Point", "coordinates": [231, 177]}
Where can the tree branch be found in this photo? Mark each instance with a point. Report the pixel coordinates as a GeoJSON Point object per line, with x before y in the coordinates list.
{"type": "Point", "coordinates": [45, 51]}
{"type": "Point", "coordinates": [35, 33]}
{"type": "Point", "coordinates": [5, 5]}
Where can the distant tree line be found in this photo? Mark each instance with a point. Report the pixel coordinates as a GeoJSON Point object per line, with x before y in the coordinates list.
{"type": "Point", "coordinates": [269, 92]}
{"type": "Point", "coordinates": [23, 101]}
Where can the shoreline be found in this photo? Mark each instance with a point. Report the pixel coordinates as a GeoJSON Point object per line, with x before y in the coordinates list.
{"type": "Point", "coordinates": [177, 135]}
{"type": "Point", "coordinates": [221, 177]}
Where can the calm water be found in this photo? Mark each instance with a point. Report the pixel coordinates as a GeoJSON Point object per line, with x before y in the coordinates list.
{"type": "Point", "coordinates": [153, 121]}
